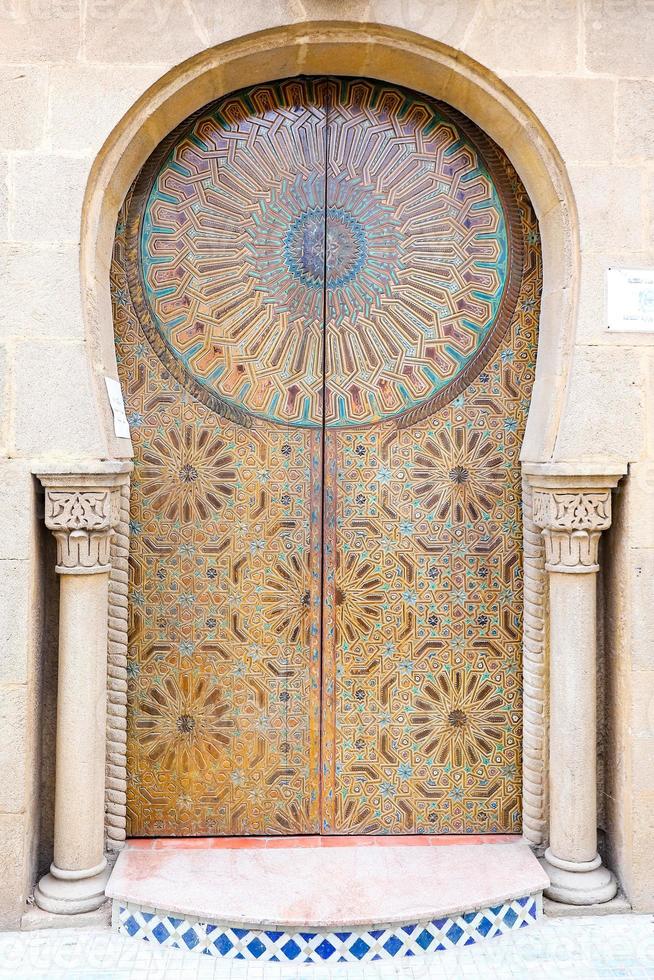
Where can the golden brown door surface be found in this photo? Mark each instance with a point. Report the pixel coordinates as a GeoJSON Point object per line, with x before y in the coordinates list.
{"type": "Point", "coordinates": [326, 297]}
{"type": "Point", "coordinates": [222, 366]}
{"type": "Point", "coordinates": [430, 350]}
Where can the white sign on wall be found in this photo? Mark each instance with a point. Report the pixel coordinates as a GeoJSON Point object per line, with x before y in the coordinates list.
{"type": "Point", "coordinates": [630, 300]}
{"type": "Point", "coordinates": [121, 425]}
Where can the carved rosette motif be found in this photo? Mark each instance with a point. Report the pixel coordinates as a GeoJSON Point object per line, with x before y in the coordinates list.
{"type": "Point", "coordinates": [82, 521]}
{"type": "Point", "coordinates": [572, 522]}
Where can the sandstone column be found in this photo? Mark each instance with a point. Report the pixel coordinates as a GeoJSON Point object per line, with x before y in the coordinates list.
{"type": "Point", "coordinates": [573, 509]}
{"type": "Point", "coordinates": [81, 510]}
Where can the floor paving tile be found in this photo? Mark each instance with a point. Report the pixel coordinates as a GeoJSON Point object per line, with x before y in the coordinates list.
{"type": "Point", "coordinates": [587, 948]}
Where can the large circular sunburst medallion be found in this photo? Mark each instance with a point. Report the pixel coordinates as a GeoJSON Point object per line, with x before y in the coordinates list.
{"type": "Point", "coordinates": [357, 263]}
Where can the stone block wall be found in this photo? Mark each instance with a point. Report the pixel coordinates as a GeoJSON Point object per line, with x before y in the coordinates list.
{"type": "Point", "coordinates": [70, 69]}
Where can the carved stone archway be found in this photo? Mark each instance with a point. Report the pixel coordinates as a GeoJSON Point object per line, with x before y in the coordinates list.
{"type": "Point", "coordinates": [402, 58]}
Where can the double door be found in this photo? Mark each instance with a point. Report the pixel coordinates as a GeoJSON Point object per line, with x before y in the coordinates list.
{"type": "Point", "coordinates": [325, 299]}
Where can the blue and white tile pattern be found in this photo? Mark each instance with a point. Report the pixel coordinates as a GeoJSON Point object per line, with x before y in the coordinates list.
{"type": "Point", "coordinates": [357, 945]}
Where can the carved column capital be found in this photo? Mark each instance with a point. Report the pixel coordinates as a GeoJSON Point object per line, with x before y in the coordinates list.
{"type": "Point", "coordinates": [81, 510]}
{"type": "Point", "coordinates": [82, 522]}
{"type": "Point", "coordinates": [572, 510]}
{"type": "Point", "coordinates": [571, 523]}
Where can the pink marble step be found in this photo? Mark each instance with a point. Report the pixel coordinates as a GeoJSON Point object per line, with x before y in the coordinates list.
{"type": "Point", "coordinates": [324, 886]}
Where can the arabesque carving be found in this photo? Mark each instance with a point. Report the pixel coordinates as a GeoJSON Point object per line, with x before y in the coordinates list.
{"type": "Point", "coordinates": [572, 522]}
{"type": "Point", "coordinates": [82, 522]}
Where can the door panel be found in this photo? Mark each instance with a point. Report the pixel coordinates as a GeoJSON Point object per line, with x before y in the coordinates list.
{"type": "Point", "coordinates": [220, 358]}
{"type": "Point", "coordinates": [430, 348]}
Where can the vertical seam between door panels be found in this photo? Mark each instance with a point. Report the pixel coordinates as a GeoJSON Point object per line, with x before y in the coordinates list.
{"type": "Point", "coordinates": [322, 454]}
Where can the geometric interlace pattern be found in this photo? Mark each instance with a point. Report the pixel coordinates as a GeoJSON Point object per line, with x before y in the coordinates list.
{"type": "Point", "coordinates": [343, 220]}
{"type": "Point", "coordinates": [325, 620]}
{"type": "Point", "coordinates": [363, 945]}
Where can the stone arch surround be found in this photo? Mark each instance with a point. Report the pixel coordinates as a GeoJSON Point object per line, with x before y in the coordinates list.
{"type": "Point", "coordinates": [402, 58]}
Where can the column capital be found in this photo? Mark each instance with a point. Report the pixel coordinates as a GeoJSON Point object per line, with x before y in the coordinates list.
{"type": "Point", "coordinates": [81, 510]}
{"type": "Point", "coordinates": [572, 506]}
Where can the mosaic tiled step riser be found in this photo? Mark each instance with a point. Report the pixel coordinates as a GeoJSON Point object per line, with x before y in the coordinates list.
{"type": "Point", "coordinates": [310, 946]}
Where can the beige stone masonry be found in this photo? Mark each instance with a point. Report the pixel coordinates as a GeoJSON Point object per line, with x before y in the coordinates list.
{"type": "Point", "coordinates": [14, 644]}
{"type": "Point", "coordinates": [13, 861]}
{"type": "Point", "coordinates": [17, 495]}
{"type": "Point", "coordinates": [609, 197]}
{"type": "Point", "coordinates": [61, 419]}
{"type": "Point", "coordinates": [85, 103]}
{"type": "Point", "coordinates": [142, 32]}
{"type": "Point", "coordinates": [578, 136]}
{"type": "Point", "coordinates": [23, 93]}
{"type": "Point", "coordinates": [39, 292]}
{"type": "Point", "coordinates": [4, 197]}
{"type": "Point", "coordinates": [649, 210]}
{"type": "Point", "coordinates": [635, 114]}
{"type": "Point", "coordinates": [543, 35]}
{"type": "Point", "coordinates": [40, 31]}
{"type": "Point", "coordinates": [617, 37]}
{"type": "Point", "coordinates": [13, 718]}
{"type": "Point", "coordinates": [614, 386]}
{"type": "Point", "coordinates": [565, 87]}
{"type": "Point", "coordinates": [50, 189]}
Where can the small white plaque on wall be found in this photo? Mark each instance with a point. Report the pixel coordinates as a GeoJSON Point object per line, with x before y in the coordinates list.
{"type": "Point", "coordinates": [630, 300]}
{"type": "Point", "coordinates": [121, 425]}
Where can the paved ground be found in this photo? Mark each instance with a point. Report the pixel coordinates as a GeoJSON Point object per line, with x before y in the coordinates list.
{"type": "Point", "coordinates": [560, 949]}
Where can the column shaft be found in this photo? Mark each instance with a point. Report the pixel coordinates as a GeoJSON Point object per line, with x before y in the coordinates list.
{"type": "Point", "coordinates": [573, 793]}
{"type": "Point", "coordinates": [81, 722]}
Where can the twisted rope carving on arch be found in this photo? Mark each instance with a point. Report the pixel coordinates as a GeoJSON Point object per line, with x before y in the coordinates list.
{"type": "Point", "coordinates": [534, 744]}
{"type": "Point", "coordinates": [116, 757]}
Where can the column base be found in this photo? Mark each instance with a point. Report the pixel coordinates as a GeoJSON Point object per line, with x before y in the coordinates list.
{"type": "Point", "coordinates": [67, 896]}
{"type": "Point", "coordinates": [588, 883]}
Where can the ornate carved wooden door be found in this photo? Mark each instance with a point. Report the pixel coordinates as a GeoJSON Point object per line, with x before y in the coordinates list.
{"type": "Point", "coordinates": [326, 299]}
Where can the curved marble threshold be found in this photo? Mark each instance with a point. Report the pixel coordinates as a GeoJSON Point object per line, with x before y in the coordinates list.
{"type": "Point", "coordinates": [324, 904]}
